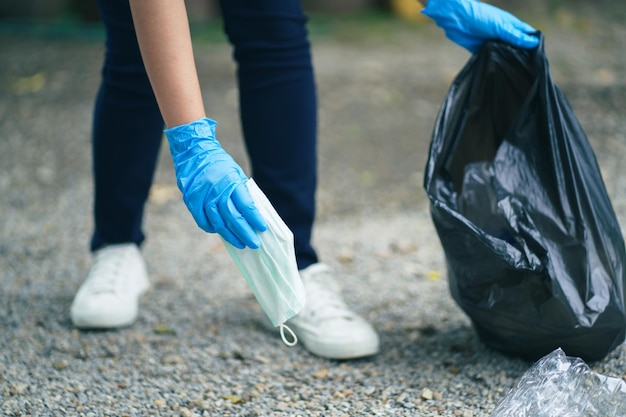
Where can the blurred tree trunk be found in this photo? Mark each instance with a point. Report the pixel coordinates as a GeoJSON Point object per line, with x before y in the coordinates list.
{"type": "Point", "coordinates": [37, 9]}
{"type": "Point", "coordinates": [87, 10]}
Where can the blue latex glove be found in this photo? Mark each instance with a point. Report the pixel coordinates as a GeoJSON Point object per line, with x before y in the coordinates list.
{"type": "Point", "coordinates": [213, 184]}
{"type": "Point", "coordinates": [469, 23]}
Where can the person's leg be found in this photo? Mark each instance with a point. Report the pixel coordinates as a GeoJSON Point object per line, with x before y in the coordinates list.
{"type": "Point", "coordinates": [279, 117]}
{"type": "Point", "coordinates": [278, 108]}
{"type": "Point", "coordinates": [127, 131]}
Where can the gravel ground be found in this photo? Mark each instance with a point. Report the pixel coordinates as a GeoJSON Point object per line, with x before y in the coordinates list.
{"type": "Point", "coordinates": [200, 346]}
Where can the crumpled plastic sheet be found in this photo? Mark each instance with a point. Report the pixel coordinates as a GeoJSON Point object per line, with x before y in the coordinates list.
{"type": "Point", "coordinates": [561, 386]}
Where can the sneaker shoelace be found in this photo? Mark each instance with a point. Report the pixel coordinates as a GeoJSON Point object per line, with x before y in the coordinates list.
{"type": "Point", "coordinates": [106, 272]}
{"type": "Point", "coordinates": [324, 299]}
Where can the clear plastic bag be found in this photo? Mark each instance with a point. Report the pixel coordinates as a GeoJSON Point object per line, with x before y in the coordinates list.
{"type": "Point", "coordinates": [562, 386]}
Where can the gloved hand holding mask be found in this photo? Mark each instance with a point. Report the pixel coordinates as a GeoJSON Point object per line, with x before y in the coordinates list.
{"type": "Point", "coordinates": [213, 184]}
{"type": "Point", "coordinates": [469, 23]}
{"type": "Point", "coordinates": [271, 270]}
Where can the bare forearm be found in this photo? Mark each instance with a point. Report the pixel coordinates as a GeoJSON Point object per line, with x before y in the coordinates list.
{"type": "Point", "coordinates": [163, 34]}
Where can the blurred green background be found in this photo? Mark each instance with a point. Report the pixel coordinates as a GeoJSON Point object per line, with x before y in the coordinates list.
{"type": "Point", "coordinates": [71, 16]}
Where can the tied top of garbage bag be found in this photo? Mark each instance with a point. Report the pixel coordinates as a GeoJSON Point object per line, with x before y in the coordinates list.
{"type": "Point", "coordinates": [534, 250]}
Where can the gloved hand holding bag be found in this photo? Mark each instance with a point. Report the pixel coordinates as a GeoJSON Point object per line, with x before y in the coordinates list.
{"type": "Point", "coordinates": [469, 23]}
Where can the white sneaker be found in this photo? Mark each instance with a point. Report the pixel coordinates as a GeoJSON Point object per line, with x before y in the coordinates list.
{"type": "Point", "coordinates": [326, 326]}
{"type": "Point", "coordinates": [109, 297]}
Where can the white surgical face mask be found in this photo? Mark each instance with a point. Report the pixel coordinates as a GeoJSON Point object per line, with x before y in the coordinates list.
{"type": "Point", "coordinates": [271, 270]}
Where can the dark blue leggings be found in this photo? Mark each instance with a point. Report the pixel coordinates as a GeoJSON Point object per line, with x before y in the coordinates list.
{"type": "Point", "coordinates": [278, 114]}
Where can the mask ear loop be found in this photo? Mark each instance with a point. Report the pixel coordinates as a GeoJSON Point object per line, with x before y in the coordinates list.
{"type": "Point", "coordinates": [291, 339]}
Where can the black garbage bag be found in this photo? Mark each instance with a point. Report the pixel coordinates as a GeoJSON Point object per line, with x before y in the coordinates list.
{"type": "Point", "coordinates": [534, 251]}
